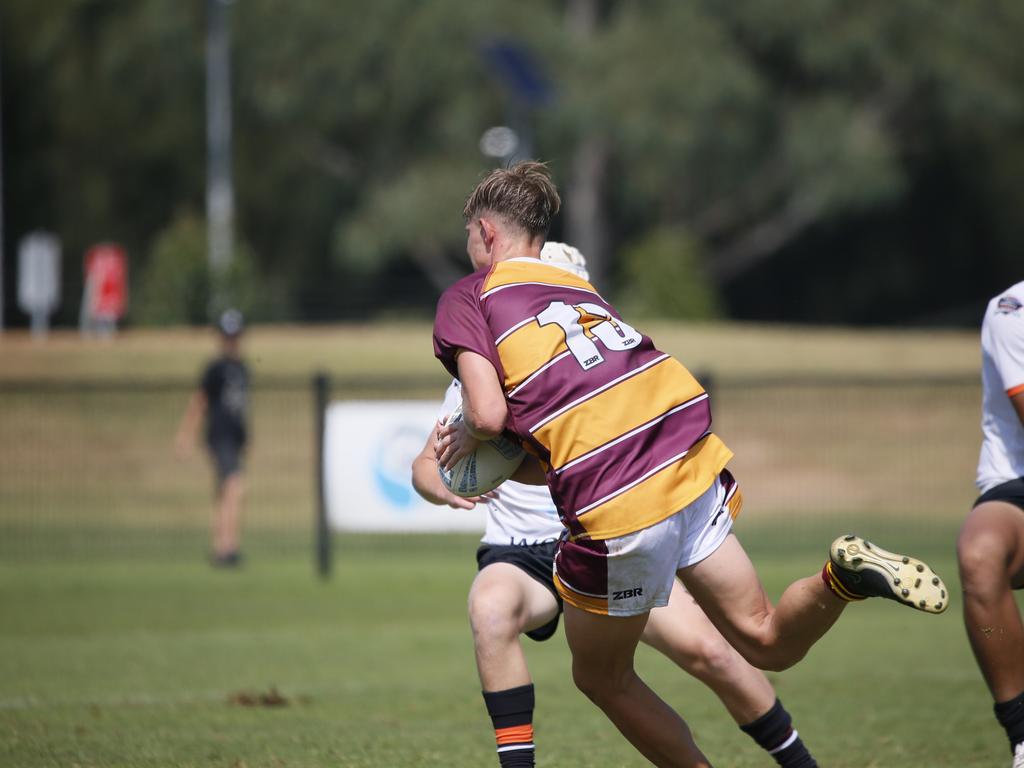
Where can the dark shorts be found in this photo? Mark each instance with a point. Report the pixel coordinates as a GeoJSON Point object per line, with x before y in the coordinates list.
{"type": "Point", "coordinates": [536, 561]}
{"type": "Point", "coordinates": [1011, 492]}
{"type": "Point", "coordinates": [227, 459]}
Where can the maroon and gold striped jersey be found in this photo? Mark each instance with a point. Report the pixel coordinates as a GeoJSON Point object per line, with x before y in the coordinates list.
{"type": "Point", "coordinates": [622, 430]}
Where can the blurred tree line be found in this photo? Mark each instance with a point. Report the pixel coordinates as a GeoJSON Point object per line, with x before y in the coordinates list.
{"type": "Point", "coordinates": [802, 160]}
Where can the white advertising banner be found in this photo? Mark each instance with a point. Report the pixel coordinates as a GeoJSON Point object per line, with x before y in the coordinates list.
{"type": "Point", "coordinates": [368, 451]}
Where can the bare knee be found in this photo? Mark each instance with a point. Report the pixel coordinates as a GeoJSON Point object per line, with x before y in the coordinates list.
{"type": "Point", "coordinates": [493, 615]}
{"type": "Point", "coordinates": [766, 650]}
{"type": "Point", "coordinates": [707, 658]}
{"type": "Point", "coordinates": [586, 682]}
{"type": "Point", "coordinates": [774, 658]}
{"type": "Point", "coordinates": [983, 560]}
{"type": "Point", "coordinates": [597, 685]}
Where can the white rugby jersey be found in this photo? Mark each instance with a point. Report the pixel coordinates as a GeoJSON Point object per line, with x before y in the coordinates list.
{"type": "Point", "coordinates": [519, 514]}
{"type": "Point", "coordinates": [1002, 376]}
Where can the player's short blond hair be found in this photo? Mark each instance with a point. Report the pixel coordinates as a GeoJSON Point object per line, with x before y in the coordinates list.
{"type": "Point", "coordinates": [523, 194]}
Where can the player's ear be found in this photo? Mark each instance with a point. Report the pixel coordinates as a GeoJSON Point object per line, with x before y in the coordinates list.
{"type": "Point", "coordinates": [487, 231]}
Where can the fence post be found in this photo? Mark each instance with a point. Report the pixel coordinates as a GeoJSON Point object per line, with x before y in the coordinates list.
{"type": "Point", "coordinates": [322, 543]}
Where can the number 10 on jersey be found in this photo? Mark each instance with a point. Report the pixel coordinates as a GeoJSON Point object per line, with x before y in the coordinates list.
{"type": "Point", "coordinates": [613, 333]}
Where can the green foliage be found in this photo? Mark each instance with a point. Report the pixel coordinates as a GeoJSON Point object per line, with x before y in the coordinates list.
{"type": "Point", "coordinates": [175, 286]}
{"type": "Point", "coordinates": [178, 286]}
{"type": "Point", "coordinates": [419, 211]}
{"type": "Point", "coordinates": [665, 277]}
{"type": "Point", "coordinates": [754, 127]}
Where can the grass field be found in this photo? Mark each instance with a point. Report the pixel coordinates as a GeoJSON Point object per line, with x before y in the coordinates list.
{"type": "Point", "coordinates": [145, 663]}
{"type": "Point", "coordinates": [120, 647]}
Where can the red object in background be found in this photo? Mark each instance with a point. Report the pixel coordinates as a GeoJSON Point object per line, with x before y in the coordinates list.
{"type": "Point", "coordinates": [106, 273]}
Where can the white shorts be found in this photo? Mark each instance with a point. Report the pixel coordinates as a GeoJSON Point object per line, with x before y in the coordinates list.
{"type": "Point", "coordinates": [632, 574]}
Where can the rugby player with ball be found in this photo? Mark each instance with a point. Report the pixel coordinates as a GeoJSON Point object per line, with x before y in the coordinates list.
{"type": "Point", "coordinates": [621, 434]}
{"type": "Point", "coordinates": [514, 594]}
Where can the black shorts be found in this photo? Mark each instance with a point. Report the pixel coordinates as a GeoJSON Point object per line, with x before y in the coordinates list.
{"type": "Point", "coordinates": [1012, 492]}
{"type": "Point", "coordinates": [536, 561]}
{"type": "Point", "coordinates": [227, 458]}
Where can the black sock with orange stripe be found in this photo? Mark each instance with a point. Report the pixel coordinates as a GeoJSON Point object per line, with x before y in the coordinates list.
{"type": "Point", "coordinates": [511, 713]}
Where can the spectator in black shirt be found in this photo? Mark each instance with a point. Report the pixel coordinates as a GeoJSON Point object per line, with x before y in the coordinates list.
{"type": "Point", "coordinates": [223, 396]}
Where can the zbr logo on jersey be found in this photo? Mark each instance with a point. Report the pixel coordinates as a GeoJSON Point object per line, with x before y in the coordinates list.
{"type": "Point", "coordinates": [1008, 304]}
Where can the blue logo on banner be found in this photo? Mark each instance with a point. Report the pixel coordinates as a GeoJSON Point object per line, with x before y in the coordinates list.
{"type": "Point", "coordinates": [392, 462]}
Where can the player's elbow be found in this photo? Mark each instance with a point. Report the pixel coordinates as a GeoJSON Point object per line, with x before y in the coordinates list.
{"type": "Point", "coordinates": [487, 420]}
{"type": "Point", "coordinates": [423, 475]}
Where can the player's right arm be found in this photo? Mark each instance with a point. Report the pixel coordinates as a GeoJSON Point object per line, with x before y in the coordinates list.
{"type": "Point", "coordinates": [483, 400]}
{"type": "Point", "coordinates": [484, 410]}
{"type": "Point", "coordinates": [188, 429]}
{"type": "Point", "coordinates": [427, 481]}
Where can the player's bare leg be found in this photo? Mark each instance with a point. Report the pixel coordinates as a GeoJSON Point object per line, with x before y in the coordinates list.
{"type": "Point", "coordinates": [228, 516]}
{"type": "Point", "coordinates": [504, 602]}
{"type": "Point", "coordinates": [602, 667]}
{"type": "Point", "coordinates": [684, 634]}
{"type": "Point", "coordinates": [727, 588]}
{"type": "Point", "coordinates": [990, 550]}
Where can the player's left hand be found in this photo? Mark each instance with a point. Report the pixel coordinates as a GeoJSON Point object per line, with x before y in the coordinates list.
{"type": "Point", "coordinates": [453, 443]}
{"type": "Point", "coordinates": [460, 502]}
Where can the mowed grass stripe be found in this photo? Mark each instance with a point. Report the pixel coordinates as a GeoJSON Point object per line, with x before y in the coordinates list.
{"type": "Point", "coordinates": [404, 350]}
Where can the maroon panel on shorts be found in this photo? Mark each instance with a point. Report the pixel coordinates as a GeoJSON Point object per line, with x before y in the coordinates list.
{"type": "Point", "coordinates": [582, 566]}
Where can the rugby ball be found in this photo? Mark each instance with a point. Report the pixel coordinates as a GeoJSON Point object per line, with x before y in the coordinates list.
{"type": "Point", "coordinates": [491, 464]}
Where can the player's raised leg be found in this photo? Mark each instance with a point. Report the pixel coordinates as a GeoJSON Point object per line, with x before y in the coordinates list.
{"type": "Point", "coordinates": [684, 634]}
{"type": "Point", "coordinates": [504, 601]}
{"type": "Point", "coordinates": [990, 551]}
{"type": "Point", "coordinates": [602, 668]}
{"type": "Point", "coordinates": [727, 588]}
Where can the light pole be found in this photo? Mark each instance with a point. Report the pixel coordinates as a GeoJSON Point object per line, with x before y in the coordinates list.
{"type": "Point", "coordinates": [220, 196]}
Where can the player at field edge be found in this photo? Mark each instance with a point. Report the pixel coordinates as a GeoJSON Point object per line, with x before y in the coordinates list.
{"type": "Point", "coordinates": [514, 594]}
{"type": "Point", "coordinates": [621, 434]}
{"type": "Point", "coordinates": [223, 397]}
{"type": "Point", "coordinates": [990, 547]}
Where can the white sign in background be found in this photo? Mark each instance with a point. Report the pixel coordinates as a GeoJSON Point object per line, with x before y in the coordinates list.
{"type": "Point", "coordinates": [39, 278]}
{"type": "Point", "coordinates": [368, 451]}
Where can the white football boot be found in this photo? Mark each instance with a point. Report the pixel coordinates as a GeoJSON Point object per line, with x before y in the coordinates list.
{"type": "Point", "coordinates": [864, 569]}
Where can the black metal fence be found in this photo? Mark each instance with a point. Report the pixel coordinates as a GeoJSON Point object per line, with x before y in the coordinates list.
{"type": "Point", "coordinates": [90, 468]}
